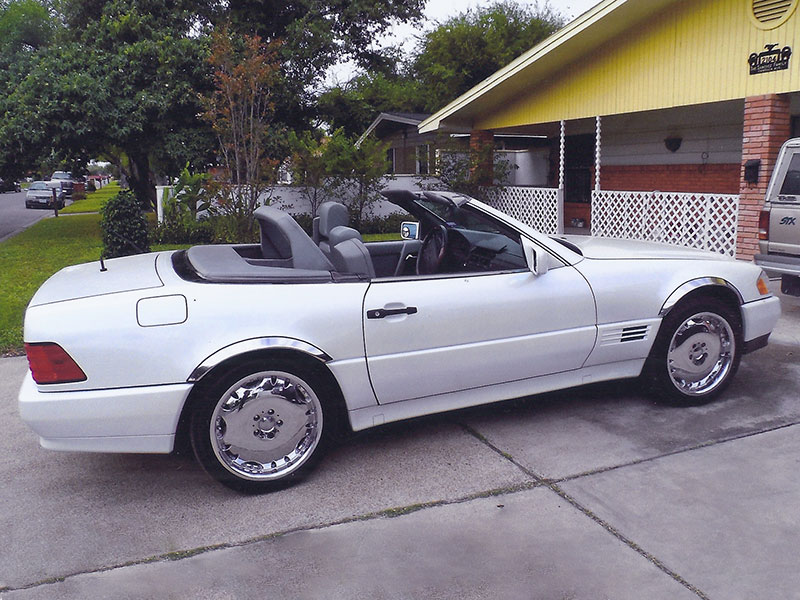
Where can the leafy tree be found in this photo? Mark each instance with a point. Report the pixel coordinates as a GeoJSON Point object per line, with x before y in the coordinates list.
{"type": "Point", "coordinates": [241, 112]}
{"type": "Point", "coordinates": [360, 171]}
{"type": "Point", "coordinates": [447, 61]}
{"type": "Point", "coordinates": [121, 82]}
{"type": "Point", "coordinates": [311, 166]}
{"type": "Point", "coordinates": [465, 50]}
{"type": "Point", "coordinates": [317, 34]}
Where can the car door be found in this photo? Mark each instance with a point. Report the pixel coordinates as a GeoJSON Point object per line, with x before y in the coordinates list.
{"type": "Point", "coordinates": [438, 335]}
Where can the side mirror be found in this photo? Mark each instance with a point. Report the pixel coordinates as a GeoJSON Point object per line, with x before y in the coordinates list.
{"type": "Point", "coordinates": [409, 230]}
{"type": "Point", "coordinates": [539, 260]}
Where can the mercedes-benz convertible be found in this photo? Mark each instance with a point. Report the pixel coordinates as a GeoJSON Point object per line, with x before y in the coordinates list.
{"type": "Point", "coordinates": [261, 355]}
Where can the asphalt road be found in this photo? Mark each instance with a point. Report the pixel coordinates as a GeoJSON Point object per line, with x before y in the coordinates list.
{"type": "Point", "coordinates": [14, 217]}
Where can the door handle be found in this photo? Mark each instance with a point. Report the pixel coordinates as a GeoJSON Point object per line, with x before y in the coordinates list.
{"type": "Point", "coordinates": [380, 313]}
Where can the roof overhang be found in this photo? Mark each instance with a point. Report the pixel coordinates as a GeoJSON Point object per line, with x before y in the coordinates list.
{"type": "Point", "coordinates": [391, 118]}
{"type": "Point", "coordinates": [577, 39]}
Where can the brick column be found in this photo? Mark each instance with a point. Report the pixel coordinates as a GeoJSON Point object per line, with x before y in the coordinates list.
{"type": "Point", "coordinates": [767, 125]}
{"type": "Point", "coordinates": [481, 147]}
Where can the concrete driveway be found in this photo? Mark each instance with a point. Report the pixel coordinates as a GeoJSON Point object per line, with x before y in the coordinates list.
{"type": "Point", "coordinates": [586, 494]}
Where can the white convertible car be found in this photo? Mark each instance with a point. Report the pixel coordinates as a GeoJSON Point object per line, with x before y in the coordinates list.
{"type": "Point", "coordinates": [261, 354]}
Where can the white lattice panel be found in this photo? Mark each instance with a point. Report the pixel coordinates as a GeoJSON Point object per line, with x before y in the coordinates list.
{"type": "Point", "coordinates": [537, 207]}
{"type": "Point", "coordinates": [705, 221]}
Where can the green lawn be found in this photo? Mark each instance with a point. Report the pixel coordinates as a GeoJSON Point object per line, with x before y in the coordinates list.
{"type": "Point", "coordinates": [94, 201]}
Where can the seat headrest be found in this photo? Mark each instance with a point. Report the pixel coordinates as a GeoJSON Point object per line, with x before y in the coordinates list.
{"type": "Point", "coordinates": [332, 214]}
{"type": "Point", "coordinates": [340, 234]}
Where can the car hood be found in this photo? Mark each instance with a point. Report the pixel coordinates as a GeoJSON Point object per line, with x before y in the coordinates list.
{"type": "Point", "coordinates": [83, 281]}
{"type": "Point", "coordinates": [617, 249]}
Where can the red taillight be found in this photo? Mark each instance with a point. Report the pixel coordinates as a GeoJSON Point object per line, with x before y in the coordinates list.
{"type": "Point", "coordinates": [763, 225]}
{"type": "Point", "coordinates": [51, 364]}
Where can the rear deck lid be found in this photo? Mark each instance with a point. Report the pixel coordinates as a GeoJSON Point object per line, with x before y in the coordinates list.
{"type": "Point", "coordinates": [83, 281]}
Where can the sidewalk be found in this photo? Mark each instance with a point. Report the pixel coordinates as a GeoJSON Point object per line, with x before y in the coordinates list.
{"type": "Point", "coordinates": [587, 494]}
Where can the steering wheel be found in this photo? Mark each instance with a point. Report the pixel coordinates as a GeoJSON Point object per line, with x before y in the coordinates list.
{"type": "Point", "coordinates": [432, 250]}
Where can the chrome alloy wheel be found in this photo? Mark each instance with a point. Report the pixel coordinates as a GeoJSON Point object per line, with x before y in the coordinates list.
{"type": "Point", "coordinates": [266, 425]}
{"type": "Point", "coordinates": [701, 353]}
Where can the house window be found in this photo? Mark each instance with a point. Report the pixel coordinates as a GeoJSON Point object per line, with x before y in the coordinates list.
{"type": "Point", "coordinates": [390, 161]}
{"type": "Point", "coordinates": [423, 154]}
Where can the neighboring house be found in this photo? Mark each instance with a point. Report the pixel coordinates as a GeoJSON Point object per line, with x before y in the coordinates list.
{"type": "Point", "coordinates": [409, 153]}
{"type": "Point", "coordinates": [652, 95]}
{"type": "Point", "coordinates": [414, 154]}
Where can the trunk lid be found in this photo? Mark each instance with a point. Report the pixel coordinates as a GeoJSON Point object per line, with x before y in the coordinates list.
{"type": "Point", "coordinates": [83, 281]}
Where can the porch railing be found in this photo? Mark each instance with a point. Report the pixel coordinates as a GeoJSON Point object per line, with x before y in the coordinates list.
{"type": "Point", "coordinates": [704, 221]}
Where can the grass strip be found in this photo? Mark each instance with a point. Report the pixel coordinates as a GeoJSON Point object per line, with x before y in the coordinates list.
{"type": "Point", "coordinates": [94, 201]}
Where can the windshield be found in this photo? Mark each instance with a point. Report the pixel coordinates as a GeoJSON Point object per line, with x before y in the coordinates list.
{"type": "Point", "coordinates": [61, 175]}
{"type": "Point", "coordinates": [38, 185]}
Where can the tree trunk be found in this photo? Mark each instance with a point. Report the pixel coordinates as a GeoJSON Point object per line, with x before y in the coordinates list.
{"type": "Point", "coordinates": [141, 180]}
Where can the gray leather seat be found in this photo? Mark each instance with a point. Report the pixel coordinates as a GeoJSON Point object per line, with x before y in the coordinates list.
{"type": "Point", "coordinates": [331, 216]}
{"type": "Point", "coordinates": [349, 254]}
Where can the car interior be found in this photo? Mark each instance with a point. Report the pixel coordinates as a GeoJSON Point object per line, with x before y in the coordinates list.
{"type": "Point", "coordinates": [456, 240]}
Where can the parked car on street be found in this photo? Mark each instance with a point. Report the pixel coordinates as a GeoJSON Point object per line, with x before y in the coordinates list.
{"type": "Point", "coordinates": [261, 354]}
{"type": "Point", "coordinates": [7, 185]}
{"type": "Point", "coordinates": [40, 195]}
{"type": "Point", "coordinates": [63, 181]}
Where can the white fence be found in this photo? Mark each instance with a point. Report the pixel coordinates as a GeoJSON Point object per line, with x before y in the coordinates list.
{"type": "Point", "coordinates": [537, 207]}
{"type": "Point", "coordinates": [705, 221]}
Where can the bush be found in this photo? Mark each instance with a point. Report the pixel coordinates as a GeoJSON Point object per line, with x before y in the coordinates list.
{"type": "Point", "coordinates": [124, 226]}
{"type": "Point", "coordinates": [388, 224]}
{"type": "Point", "coordinates": [91, 187]}
{"type": "Point", "coordinates": [180, 225]}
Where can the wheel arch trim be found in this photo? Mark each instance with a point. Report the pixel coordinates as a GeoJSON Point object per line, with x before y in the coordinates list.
{"type": "Point", "coordinates": [693, 285]}
{"type": "Point", "coordinates": [255, 344]}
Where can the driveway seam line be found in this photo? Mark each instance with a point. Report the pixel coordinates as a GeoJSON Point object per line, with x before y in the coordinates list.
{"type": "Point", "coordinates": [553, 486]}
{"type": "Point", "coordinates": [177, 555]}
{"type": "Point", "coordinates": [652, 559]}
{"type": "Point", "coordinates": [641, 461]}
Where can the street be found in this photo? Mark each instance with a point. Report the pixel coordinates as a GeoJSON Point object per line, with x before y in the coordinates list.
{"type": "Point", "coordinates": [595, 492]}
{"type": "Point", "coordinates": [14, 217]}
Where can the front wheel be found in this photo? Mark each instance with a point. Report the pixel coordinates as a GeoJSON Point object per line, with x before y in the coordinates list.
{"type": "Point", "coordinates": [696, 353]}
{"type": "Point", "coordinates": [263, 426]}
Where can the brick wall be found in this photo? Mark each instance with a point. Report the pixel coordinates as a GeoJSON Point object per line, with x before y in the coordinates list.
{"type": "Point", "coordinates": [718, 179]}
{"type": "Point", "coordinates": [767, 124]}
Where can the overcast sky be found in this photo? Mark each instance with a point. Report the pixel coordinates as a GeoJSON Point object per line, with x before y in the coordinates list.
{"type": "Point", "coordinates": [441, 10]}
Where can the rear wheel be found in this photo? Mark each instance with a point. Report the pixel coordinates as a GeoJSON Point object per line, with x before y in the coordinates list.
{"type": "Point", "coordinates": [263, 425]}
{"type": "Point", "coordinates": [696, 353]}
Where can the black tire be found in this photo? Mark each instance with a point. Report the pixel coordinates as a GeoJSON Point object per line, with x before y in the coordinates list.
{"type": "Point", "coordinates": [696, 353]}
{"type": "Point", "coordinates": [264, 424]}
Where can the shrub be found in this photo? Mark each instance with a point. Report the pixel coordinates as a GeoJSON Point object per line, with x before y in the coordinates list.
{"type": "Point", "coordinates": [91, 187]}
{"type": "Point", "coordinates": [124, 226]}
{"type": "Point", "coordinates": [387, 224]}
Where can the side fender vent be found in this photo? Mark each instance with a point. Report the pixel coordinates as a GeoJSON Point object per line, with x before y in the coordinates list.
{"type": "Point", "coordinates": [634, 333]}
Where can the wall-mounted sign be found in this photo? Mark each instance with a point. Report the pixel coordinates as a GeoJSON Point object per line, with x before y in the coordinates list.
{"type": "Point", "coordinates": [772, 59]}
